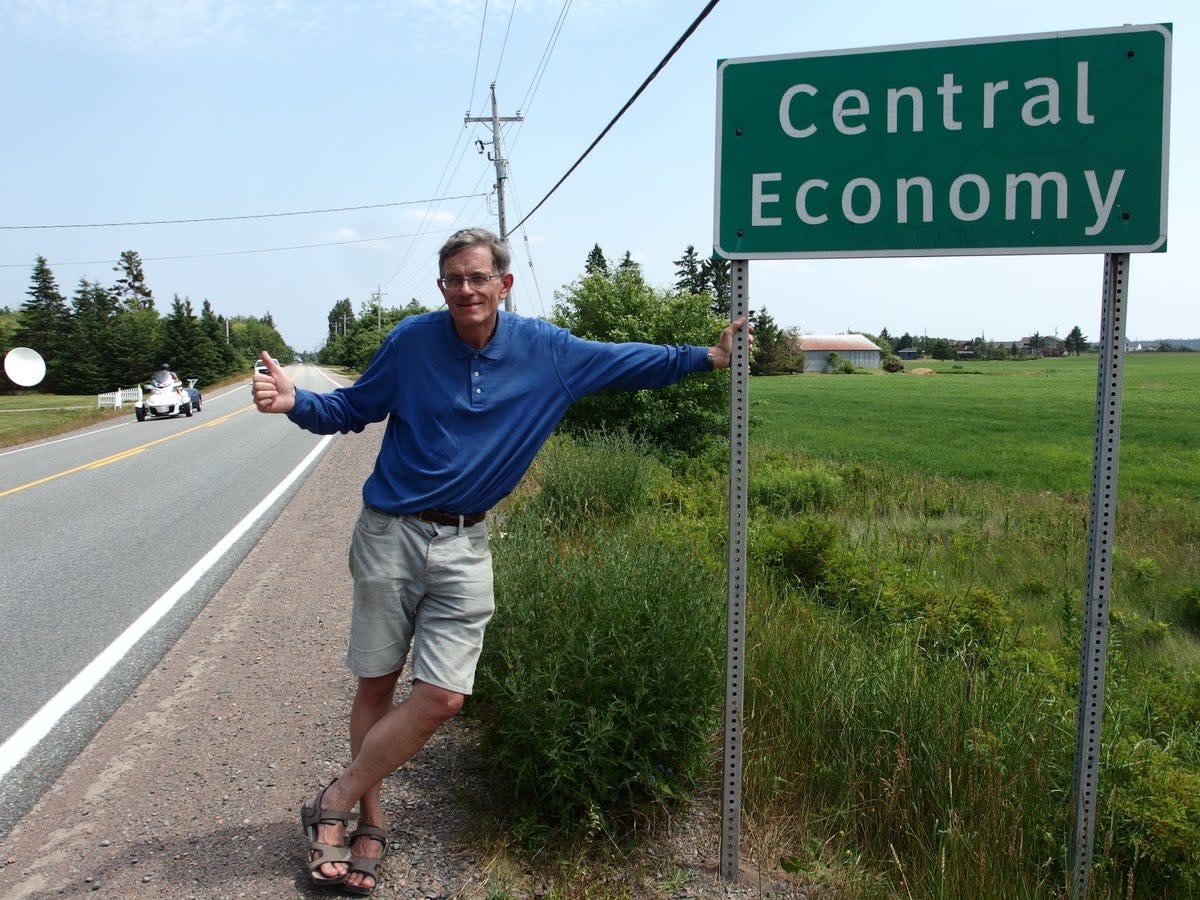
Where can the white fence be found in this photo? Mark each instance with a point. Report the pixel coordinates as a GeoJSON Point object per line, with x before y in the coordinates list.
{"type": "Point", "coordinates": [116, 399]}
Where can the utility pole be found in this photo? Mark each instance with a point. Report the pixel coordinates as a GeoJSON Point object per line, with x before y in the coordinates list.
{"type": "Point", "coordinates": [378, 308]}
{"type": "Point", "coordinates": [501, 168]}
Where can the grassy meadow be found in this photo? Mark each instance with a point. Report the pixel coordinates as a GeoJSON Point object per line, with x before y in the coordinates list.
{"type": "Point", "coordinates": [920, 549]}
{"type": "Point", "coordinates": [1027, 426]}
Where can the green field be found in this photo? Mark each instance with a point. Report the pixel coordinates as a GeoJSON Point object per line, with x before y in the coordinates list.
{"type": "Point", "coordinates": [1029, 426]}
{"type": "Point", "coordinates": [922, 547]}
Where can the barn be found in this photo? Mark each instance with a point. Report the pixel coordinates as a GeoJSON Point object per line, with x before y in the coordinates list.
{"type": "Point", "coordinates": [854, 348]}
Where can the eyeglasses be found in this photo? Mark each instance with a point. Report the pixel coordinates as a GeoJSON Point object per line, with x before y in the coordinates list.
{"type": "Point", "coordinates": [477, 280]}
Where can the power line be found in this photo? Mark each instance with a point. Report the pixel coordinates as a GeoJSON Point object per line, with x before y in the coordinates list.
{"type": "Point", "coordinates": [512, 14]}
{"type": "Point", "coordinates": [99, 262]}
{"type": "Point", "coordinates": [535, 82]}
{"type": "Point", "coordinates": [628, 103]}
{"type": "Point", "coordinates": [275, 215]}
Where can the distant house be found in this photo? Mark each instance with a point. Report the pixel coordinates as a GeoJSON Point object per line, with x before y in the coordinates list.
{"type": "Point", "coordinates": [853, 348]}
{"type": "Point", "coordinates": [908, 353]}
{"type": "Point", "coordinates": [1044, 345]}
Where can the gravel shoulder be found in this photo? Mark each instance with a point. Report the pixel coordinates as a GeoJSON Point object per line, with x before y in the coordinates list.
{"type": "Point", "coordinates": [192, 789]}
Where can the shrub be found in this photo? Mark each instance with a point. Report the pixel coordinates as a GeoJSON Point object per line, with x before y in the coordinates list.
{"type": "Point", "coordinates": [790, 490]}
{"type": "Point", "coordinates": [1155, 812]}
{"type": "Point", "coordinates": [598, 690]}
{"type": "Point", "coordinates": [835, 364]}
{"type": "Point", "coordinates": [609, 476]}
{"type": "Point", "coordinates": [949, 619]}
{"type": "Point", "coordinates": [1187, 606]}
{"type": "Point", "coordinates": [683, 418]}
{"type": "Point", "coordinates": [802, 547]}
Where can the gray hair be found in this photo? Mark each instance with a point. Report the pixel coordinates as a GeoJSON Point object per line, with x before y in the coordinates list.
{"type": "Point", "coordinates": [476, 237]}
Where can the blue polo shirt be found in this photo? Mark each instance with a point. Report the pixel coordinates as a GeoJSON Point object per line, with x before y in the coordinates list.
{"type": "Point", "coordinates": [463, 425]}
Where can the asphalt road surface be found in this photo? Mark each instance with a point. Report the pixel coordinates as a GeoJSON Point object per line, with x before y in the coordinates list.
{"type": "Point", "coordinates": [114, 538]}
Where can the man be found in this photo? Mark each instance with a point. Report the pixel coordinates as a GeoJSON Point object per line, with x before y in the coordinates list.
{"type": "Point", "coordinates": [470, 394]}
{"type": "Point", "coordinates": [164, 376]}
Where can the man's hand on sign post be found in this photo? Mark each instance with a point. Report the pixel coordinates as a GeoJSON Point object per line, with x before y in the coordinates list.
{"type": "Point", "coordinates": [721, 354]}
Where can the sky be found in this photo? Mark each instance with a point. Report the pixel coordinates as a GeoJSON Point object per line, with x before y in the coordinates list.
{"type": "Point", "coordinates": [320, 151]}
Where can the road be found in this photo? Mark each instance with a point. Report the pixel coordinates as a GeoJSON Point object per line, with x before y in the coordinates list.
{"type": "Point", "coordinates": [115, 537]}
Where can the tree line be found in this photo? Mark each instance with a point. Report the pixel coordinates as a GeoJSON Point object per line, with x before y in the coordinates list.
{"type": "Point", "coordinates": [107, 337]}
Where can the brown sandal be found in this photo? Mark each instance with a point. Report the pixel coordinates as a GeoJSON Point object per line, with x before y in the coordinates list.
{"type": "Point", "coordinates": [310, 817]}
{"type": "Point", "coordinates": [365, 865]}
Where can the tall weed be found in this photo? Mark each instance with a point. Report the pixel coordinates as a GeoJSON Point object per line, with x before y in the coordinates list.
{"type": "Point", "coordinates": [925, 762]}
{"type": "Point", "coordinates": [599, 688]}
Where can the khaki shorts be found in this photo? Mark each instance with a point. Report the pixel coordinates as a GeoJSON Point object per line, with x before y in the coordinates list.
{"type": "Point", "coordinates": [421, 586]}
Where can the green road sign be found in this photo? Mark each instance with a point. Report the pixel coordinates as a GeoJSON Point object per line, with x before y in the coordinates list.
{"type": "Point", "coordinates": [1046, 143]}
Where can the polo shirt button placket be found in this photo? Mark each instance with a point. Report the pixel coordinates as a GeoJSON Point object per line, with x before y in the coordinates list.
{"type": "Point", "coordinates": [476, 387]}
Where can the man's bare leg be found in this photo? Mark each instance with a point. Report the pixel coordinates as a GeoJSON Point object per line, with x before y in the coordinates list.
{"type": "Point", "coordinates": [393, 739]}
{"type": "Point", "coordinates": [372, 701]}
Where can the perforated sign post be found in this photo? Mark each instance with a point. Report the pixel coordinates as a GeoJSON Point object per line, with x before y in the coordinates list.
{"type": "Point", "coordinates": [1026, 144]}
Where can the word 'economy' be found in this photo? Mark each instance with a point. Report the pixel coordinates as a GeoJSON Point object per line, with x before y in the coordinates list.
{"type": "Point", "coordinates": [860, 200]}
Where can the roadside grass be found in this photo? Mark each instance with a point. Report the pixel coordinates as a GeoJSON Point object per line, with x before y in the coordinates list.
{"type": "Point", "coordinates": [917, 565]}
{"type": "Point", "coordinates": [29, 417]}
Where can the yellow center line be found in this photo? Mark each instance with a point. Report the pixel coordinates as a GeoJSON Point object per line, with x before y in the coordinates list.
{"type": "Point", "coordinates": [124, 454]}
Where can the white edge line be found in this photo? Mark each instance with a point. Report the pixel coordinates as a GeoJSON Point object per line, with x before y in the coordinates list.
{"type": "Point", "coordinates": [30, 734]}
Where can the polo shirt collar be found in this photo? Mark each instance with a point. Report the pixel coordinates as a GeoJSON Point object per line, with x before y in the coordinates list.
{"type": "Point", "coordinates": [494, 349]}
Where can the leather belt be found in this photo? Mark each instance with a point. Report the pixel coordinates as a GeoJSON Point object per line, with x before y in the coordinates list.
{"type": "Point", "coordinates": [440, 517]}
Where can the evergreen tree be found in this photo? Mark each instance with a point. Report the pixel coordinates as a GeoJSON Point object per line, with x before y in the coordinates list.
{"type": "Point", "coordinates": [86, 367]}
{"type": "Point", "coordinates": [44, 321]}
{"type": "Point", "coordinates": [219, 359]}
{"type": "Point", "coordinates": [716, 276]}
{"type": "Point", "coordinates": [628, 263]}
{"type": "Point", "coordinates": [131, 287]}
{"type": "Point", "coordinates": [8, 329]}
{"type": "Point", "coordinates": [182, 346]}
{"type": "Point", "coordinates": [690, 277]}
{"type": "Point", "coordinates": [773, 351]}
{"type": "Point", "coordinates": [940, 348]}
{"type": "Point", "coordinates": [596, 263]}
{"type": "Point", "coordinates": [136, 337]}
{"type": "Point", "coordinates": [884, 340]}
{"type": "Point", "coordinates": [1076, 342]}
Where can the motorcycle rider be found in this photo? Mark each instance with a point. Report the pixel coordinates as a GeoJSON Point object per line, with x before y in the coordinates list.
{"type": "Point", "coordinates": [164, 376]}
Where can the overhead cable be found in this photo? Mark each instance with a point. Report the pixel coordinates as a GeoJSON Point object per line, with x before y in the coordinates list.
{"type": "Point", "coordinates": [628, 103]}
{"type": "Point", "coordinates": [276, 215]}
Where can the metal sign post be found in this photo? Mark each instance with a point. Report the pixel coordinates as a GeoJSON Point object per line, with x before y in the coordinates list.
{"type": "Point", "coordinates": [1098, 595]}
{"type": "Point", "coordinates": [735, 635]}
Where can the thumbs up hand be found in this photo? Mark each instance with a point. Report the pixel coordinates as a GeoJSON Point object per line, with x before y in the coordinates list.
{"type": "Point", "coordinates": [273, 392]}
